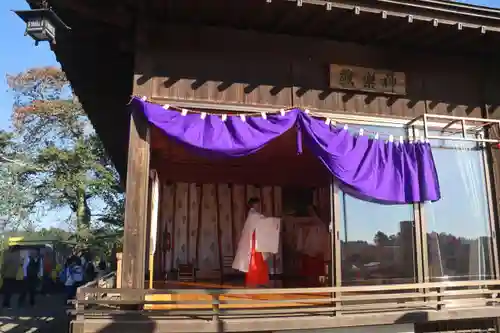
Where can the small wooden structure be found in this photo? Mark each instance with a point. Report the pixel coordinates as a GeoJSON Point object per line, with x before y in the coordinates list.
{"type": "Point", "coordinates": [382, 63]}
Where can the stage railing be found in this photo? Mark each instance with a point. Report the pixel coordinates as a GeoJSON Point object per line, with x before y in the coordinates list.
{"type": "Point", "coordinates": [101, 285]}
{"type": "Point", "coordinates": [217, 304]}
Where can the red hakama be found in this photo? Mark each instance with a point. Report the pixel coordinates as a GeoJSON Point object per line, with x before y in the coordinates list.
{"type": "Point", "coordinates": [313, 267]}
{"type": "Point", "coordinates": [257, 274]}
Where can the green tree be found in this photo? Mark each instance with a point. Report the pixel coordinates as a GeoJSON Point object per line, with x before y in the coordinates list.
{"type": "Point", "coordinates": [5, 144]}
{"type": "Point", "coordinates": [14, 206]}
{"type": "Point", "coordinates": [381, 239]}
{"type": "Point", "coordinates": [67, 165]}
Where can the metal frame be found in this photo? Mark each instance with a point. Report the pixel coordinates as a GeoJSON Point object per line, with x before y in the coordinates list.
{"type": "Point", "coordinates": [420, 250]}
{"type": "Point", "coordinates": [471, 130]}
{"type": "Point", "coordinates": [494, 258]}
{"type": "Point", "coordinates": [449, 123]}
{"type": "Point", "coordinates": [476, 136]}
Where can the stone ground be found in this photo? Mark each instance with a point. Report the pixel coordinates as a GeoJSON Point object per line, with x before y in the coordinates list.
{"type": "Point", "coordinates": [47, 316]}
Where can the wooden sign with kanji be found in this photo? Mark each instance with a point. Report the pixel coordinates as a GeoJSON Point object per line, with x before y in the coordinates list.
{"type": "Point", "coordinates": [367, 79]}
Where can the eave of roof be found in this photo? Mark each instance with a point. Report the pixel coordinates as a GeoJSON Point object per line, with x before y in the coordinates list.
{"type": "Point", "coordinates": [95, 64]}
{"type": "Point", "coordinates": [449, 7]}
{"type": "Point", "coordinates": [454, 5]}
{"type": "Point", "coordinates": [446, 12]}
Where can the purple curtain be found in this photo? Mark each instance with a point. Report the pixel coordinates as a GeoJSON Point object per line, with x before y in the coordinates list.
{"type": "Point", "coordinates": [370, 169]}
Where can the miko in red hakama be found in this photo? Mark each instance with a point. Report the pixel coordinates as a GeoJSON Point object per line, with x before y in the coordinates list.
{"type": "Point", "coordinates": [258, 272]}
{"type": "Point", "coordinates": [313, 266]}
{"type": "Point", "coordinates": [312, 244]}
{"type": "Point", "coordinates": [260, 236]}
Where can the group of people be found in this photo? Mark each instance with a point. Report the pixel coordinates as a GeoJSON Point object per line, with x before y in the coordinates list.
{"type": "Point", "coordinates": [260, 238]}
{"type": "Point", "coordinates": [36, 275]}
{"type": "Point", "coordinates": [79, 270]}
{"type": "Point", "coordinates": [32, 273]}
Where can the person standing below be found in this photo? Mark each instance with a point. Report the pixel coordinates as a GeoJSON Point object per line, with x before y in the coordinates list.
{"type": "Point", "coordinates": [47, 274]}
{"type": "Point", "coordinates": [33, 272]}
{"type": "Point", "coordinates": [313, 244]}
{"type": "Point", "coordinates": [102, 269]}
{"type": "Point", "coordinates": [10, 266]}
{"type": "Point", "coordinates": [89, 272]}
{"type": "Point", "coordinates": [73, 277]}
{"type": "Point", "coordinates": [259, 237]}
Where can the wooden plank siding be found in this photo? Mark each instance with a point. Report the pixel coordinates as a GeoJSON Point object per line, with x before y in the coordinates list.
{"type": "Point", "coordinates": [212, 65]}
{"type": "Point", "coordinates": [223, 207]}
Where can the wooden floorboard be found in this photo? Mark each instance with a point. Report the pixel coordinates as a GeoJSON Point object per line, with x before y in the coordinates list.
{"type": "Point", "coordinates": [254, 300]}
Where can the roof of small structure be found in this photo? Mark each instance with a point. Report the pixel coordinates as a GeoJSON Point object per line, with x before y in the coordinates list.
{"type": "Point", "coordinates": [97, 55]}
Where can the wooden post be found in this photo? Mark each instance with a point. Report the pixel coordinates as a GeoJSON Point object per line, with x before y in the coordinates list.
{"type": "Point", "coordinates": [136, 210]}
{"type": "Point", "coordinates": [335, 269]}
{"type": "Point", "coordinates": [118, 270]}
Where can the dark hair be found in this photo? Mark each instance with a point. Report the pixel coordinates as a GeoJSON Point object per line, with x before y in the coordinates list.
{"type": "Point", "coordinates": [252, 201]}
{"type": "Point", "coordinates": [78, 261]}
{"type": "Point", "coordinates": [74, 260]}
{"type": "Point", "coordinates": [102, 265]}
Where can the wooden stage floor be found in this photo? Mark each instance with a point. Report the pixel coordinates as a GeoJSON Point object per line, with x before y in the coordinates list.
{"type": "Point", "coordinates": [203, 301]}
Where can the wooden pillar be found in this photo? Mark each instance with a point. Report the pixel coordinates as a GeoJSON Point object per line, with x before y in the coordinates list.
{"type": "Point", "coordinates": [336, 257]}
{"type": "Point", "coordinates": [119, 270]}
{"type": "Point", "coordinates": [136, 210]}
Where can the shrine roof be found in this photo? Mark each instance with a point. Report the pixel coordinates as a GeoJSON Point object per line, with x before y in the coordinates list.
{"type": "Point", "coordinates": [98, 53]}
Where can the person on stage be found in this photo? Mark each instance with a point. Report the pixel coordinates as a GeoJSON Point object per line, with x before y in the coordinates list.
{"type": "Point", "coordinates": [259, 238]}
{"type": "Point", "coordinates": [313, 245]}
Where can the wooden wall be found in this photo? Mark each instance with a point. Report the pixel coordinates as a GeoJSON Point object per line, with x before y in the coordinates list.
{"type": "Point", "coordinates": [266, 167]}
{"type": "Point", "coordinates": [213, 65]}
{"type": "Point", "coordinates": [243, 67]}
{"type": "Point", "coordinates": [204, 222]}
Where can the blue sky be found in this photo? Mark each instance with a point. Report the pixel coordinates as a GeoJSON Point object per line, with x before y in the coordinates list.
{"type": "Point", "coordinates": [19, 53]}
{"type": "Point", "coordinates": [489, 3]}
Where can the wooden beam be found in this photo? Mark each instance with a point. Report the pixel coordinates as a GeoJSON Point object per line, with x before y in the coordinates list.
{"type": "Point", "coordinates": [423, 10]}
{"type": "Point", "coordinates": [403, 27]}
{"type": "Point", "coordinates": [245, 174]}
{"type": "Point", "coordinates": [311, 322]}
{"type": "Point", "coordinates": [134, 245]}
{"type": "Point", "coordinates": [316, 24]}
{"type": "Point", "coordinates": [112, 13]}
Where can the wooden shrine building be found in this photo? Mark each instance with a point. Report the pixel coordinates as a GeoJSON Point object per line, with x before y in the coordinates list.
{"type": "Point", "coordinates": [394, 70]}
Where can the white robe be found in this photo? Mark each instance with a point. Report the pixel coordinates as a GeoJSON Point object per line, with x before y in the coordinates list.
{"type": "Point", "coordinates": [313, 237]}
{"type": "Point", "coordinates": [266, 238]}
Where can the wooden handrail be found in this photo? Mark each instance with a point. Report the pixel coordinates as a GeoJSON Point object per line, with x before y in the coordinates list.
{"type": "Point", "coordinates": [220, 303]}
{"type": "Point", "coordinates": [96, 281]}
{"type": "Point", "coordinates": [265, 291]}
